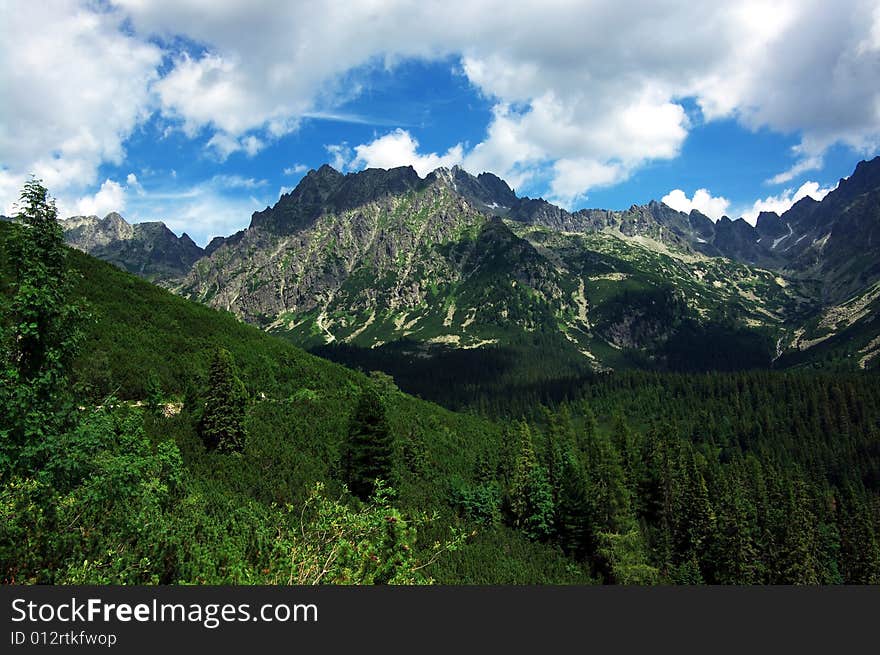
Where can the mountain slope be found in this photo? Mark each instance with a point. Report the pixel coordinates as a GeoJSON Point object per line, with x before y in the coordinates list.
{"type": "Point", "coordinates": [620, 474]}
{"type": "Point", "coordinates": [149, 249]}
{"type": "Point", "coordinates": [414, 268]}
{"type": "Point", "coordinates": [139, 338]}
{"type": "Point", "coordinates": [452, 260]}
{"type": "Point", "coordinates": [377, 263]}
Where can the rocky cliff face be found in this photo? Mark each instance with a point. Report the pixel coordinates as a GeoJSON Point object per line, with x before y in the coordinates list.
{"type": "Point", "coordinates": [458, 260]}
{"type": "Point", "coordinates": [374, 256]}
{"type": "Point", "coordinates": [454, 259]}
{"type": "Point", "coordinates": [150, 250]}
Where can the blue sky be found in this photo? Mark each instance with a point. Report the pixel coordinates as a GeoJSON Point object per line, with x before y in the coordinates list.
{"type": "Point", "coordinates": [199, 116]}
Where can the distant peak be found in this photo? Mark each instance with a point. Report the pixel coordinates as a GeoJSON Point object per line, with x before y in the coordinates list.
{"type": "Point", "coordinates": [115, 217]}
{"type": "Point", "coordinates": [868, 164]}
{"type": "Point", "coordinates": [324, 169]}
{"type": "Point", "coordinates": [805, 202]}
{"type": "Point", "coordinates": [767, 215]}
{"type": "Point", "coordinates": [865, 177]}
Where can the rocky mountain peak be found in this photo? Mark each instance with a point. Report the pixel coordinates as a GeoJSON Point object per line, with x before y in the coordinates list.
{"type": "Point", "coordinates": [770, 225]}
{"type": "Point", "coordinates": [485, 191]}
{"type": "Point", "coordinates": [87, 232]}
{"type": "Point", "coordinates": [326, 189]}
{"type": "Point", "coordinates": [149, 249]}
{"type": "Point", "coordinates": [702, 224]}
{"type": "Point", "coordinates": [866, 177]}
{"type": "Point", "coordinates": [498, 188]}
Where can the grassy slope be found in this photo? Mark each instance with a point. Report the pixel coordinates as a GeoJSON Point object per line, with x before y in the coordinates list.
{"type": "Point", "coordinates": [298, 418]}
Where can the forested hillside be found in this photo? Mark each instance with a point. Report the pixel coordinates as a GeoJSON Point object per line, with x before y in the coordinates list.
{"type": "Point", "coordinates": [148, 439]}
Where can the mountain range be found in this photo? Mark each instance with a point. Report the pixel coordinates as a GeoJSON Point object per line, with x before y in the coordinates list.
{"type": "Point", "coordinates": [391, 269]}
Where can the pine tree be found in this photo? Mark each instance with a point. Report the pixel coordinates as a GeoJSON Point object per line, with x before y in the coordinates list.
{"type": "Point", "coordinates": [860, 546]}
{"type": "Point", "coordinates": [531, 497]}
{"type": "Point", "coordinates": [574, 510]}
{"type": "Point", "coordinates": [799, 563]}
{"type": "Point", "coordinates": [40, 334]}
{"type": "Point", "coordinates": [222, 421]}
{"type": "Point", "coordinates": [607, 483]}
{"type": "Point", "coordinates": [732, 551]}
{"type": "Point", "coordinates": [693, 517]}
{"type": "Point", "coordinates": [369, 452]}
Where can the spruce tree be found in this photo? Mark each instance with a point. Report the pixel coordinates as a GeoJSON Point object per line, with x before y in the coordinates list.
{"type": "Point", "coordinates": [39, 333]}
{"type": "Point", "coordinates": [222, 421]}
{"type": "Point", "coordinates": [369, 453]}
{"type": "Point", "coordinates": [574, 510]}
{"type": "Point", "coordinates": [531, 498]}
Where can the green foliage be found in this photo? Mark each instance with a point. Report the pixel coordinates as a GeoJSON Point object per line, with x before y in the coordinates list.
{"type": "Point", "coordinates": [99, 510]}
{"type": "Point", "coordinates": [39, 331]}
{"type": "Point", "coordinates": [369, 454]}
{"type": "Point", "coordinates": [531, 495]}
{"type": "Point", "coordinates": [626, 559]}
{"type": "Point", "coordinates": [632, 478]}
{"type": "Point", "coordinates": [374, 544]}
{"type": "Point", "coordinates": [481, 503]}
{"type": "Point", "coordinates": [109, 507]}
{"type": "Point", "coordinates": [221, 425]}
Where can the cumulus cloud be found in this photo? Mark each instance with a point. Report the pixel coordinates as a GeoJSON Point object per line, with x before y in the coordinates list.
{"type": "Point", "coordinates": [572, 176]}
{"type": "Point", "coordinates": [596, 86]}
{"type": "Point", "coordinates": [399, 148]}
{"type": "Point", "coordinates": [109, 198]}
{"type": "Point", "coordinates": [134, 184]}
{"type": "Point", "coordinates": [340, 155]}
{"type": "Point", "coordinates": [296, 169]}
{"type": "Point", "coordinates": [703, 201]}
{"type": "Point", "coordinates": [75, 85]}
{"type": "Point", "coordinates": [782, 202]}
{"type": "Point", "coordinates": [223, 145]}
{"type": "Point", "coordinates": [583, 93]}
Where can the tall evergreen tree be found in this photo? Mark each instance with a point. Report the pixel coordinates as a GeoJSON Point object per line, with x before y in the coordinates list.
{"type": "Point", "coordinates": [574, 510]}
{"type": "Point", "coordinates": [531, 497]}
{"type": "Point", "coordinates": [39, 333]}
{"type": "Point", "coordinates": [369, 454]}
{"type": "Point", "coordinates": [693, 517]}
{"type": "Point", "coordinates": [222, 421]}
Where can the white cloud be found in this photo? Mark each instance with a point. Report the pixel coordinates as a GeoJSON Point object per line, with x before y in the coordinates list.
{"type": "Point", "coordinates": [807, 163]}
{"type": "Point", "coordinates": [399, 148]}
{"type": "Point", "coordinates": [252, 145]}
{"type": "Point", "coordinates": [583, 93]}
{"type": "Point", "coordinates": [224, 145]}
{"type": "Point", "coordinates": [134, 184]}
{"type": "Point", "coordinates": [74, 87]}
{"type": "Point", "coordinates": [571, 177]}
{"type": "Point", "coordinates": [340, 155]}
{"type": "Point", "coordinates": [597, 82]}
{"type": "Point", "coordinates": [296, 169]}
{"type": "Point", "coordinates": [782, 202]}
{"type": "Point", "coordinates": [214, 207]}
{"type": "Point", "coordinates": [237, 182]}
{"type": "Point", "coordinates": [703, 201]}
{"type": "Point", "coordinates": [110, 197]}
